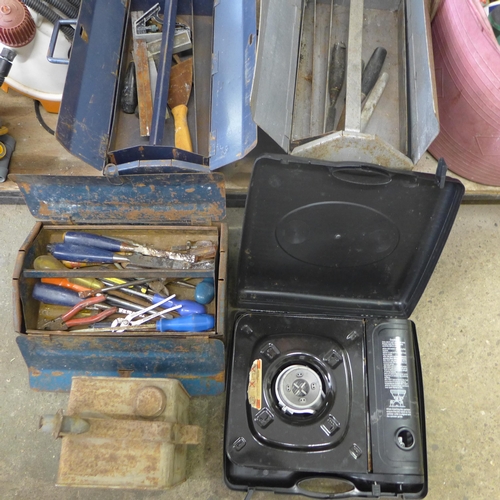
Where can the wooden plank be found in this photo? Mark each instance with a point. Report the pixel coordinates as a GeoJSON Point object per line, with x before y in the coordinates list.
{"type": "Point", "coordinates": [38, 152]}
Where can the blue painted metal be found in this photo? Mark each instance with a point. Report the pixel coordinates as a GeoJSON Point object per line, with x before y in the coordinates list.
{"type": "Point", "coordinates": [90, 95]}
{"type": "Point", "coordinates": [140, 199]}
{"type": "Point", "coordinates": [152, 167]}
{"type": "Point", "coordinates": [52, 361]}
{"type": "Point", "coordinates": [86, 111]}
{"type": "Point", "coordinates": [162, 84]}
{"type": "Point", "coordinates": [234, 132]}
{"type": "Point", "coordinates": [148, 152]}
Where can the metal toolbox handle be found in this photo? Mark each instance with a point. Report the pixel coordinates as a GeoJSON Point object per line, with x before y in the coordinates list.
{"type": "Point", "coordinates": [53, 41]}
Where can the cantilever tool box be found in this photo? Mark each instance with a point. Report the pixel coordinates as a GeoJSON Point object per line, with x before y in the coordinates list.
{"type": "Point", "coordinates": [159, 210]}
{"type": "Point", "coordinates": [91, 123]}
{"type": "Point", "coordinates": [290, 93]}
{"type": "Point", "coordinates": [151, 191]}
{"type": "Point", "coordinates": [325, 395]}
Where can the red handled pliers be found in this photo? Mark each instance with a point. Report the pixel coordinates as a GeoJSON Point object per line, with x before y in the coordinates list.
{"type": "Point", "coordinates": [64, 322]}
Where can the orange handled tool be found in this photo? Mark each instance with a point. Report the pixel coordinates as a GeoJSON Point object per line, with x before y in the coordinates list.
{"type": "Point", "coordinates": [66, 283]}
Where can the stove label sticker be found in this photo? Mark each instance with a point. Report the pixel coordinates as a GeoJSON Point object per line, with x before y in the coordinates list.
{"type": "Point", "coordinates": [255, 385]}
{"type": "Point", "coordinates": [396, 378]}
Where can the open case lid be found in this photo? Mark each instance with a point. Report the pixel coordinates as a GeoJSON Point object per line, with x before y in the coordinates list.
{"type": "Point", "coordinates": [343, 239]}
{"type": "Point", "coordinates": [127, 199]}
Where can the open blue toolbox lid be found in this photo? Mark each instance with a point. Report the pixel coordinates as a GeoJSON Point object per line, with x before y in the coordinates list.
{"type": "Point", "coordinates": [342, 239]}
{"type": "Point", "coordinates": [91, 124]}
{"type": "Point", "coordinates": [139, 201]}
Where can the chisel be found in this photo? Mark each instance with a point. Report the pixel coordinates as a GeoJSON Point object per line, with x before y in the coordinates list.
{"type": "Point", "coordinates": [336, 75]}
{"type": "Point", "coordinates": [114, 245]}
{"type": "Point", "coordinates": [80, 253]}
{"type": "Point", "coordinates": [369, 77]}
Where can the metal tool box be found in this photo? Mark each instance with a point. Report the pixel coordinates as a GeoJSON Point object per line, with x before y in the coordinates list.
{"type": "Point", "coordinates": [325, 391]}
{"type": "Point", "coordinates": [290, 96]}
{"type": "Point", "coordinates": [91, 124]}
{"type": "Point", "coordinates": [160, 210]}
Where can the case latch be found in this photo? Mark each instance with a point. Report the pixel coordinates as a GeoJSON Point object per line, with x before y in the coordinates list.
{"type": "Point", "coordinates": [441, 171]}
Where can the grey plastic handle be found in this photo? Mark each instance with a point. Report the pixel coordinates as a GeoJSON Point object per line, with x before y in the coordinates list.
{"type": "Point", "coordinates": [53, 41]}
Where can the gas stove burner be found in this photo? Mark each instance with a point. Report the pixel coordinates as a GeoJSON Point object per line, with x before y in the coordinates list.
{"type": "Point", "coordinates": [331, 399]}
{"type": "Point", "coordinates": [299, 390]}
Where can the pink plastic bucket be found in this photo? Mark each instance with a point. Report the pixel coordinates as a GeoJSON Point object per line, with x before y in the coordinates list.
{"type": "Point", "coordinates": [467, 63]}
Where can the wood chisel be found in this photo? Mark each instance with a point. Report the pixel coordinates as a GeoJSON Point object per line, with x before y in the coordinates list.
{"type": "Point", "coordinates": [370, 76]}
{"type": "Point", "coordinates": [336, 76]}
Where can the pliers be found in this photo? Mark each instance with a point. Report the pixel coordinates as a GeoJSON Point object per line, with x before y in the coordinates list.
{"type": "Point", "coordinates": [64, 322]}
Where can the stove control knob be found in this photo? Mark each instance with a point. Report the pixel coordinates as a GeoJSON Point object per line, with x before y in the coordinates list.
{"type": "Point", "coordinates": [299, 390]}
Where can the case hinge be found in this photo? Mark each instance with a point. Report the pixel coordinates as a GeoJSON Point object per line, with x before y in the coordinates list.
{"type": "Point", "coordinates": [200, 221]}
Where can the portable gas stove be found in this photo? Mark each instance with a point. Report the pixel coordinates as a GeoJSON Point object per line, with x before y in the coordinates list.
{"type": "Point", "coordinates": [325, 394]}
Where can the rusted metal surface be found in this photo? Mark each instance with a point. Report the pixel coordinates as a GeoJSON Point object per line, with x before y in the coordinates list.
{"type": "Point", "coordinates": [355, 147]}
{"type": "Point", "coordinates": [121, 449]}
{"type": "Point", "coordinates": [198, 362]}
{"type": "Point", "coordinates": [181, 80]}
{"type": "Point", "coordinates": [144, 95]}
{"type": "Point", "coordinates": [144, 199]}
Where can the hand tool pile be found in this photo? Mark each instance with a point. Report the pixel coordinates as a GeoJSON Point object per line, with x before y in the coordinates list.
{"type": "Point", "coordinates": [79, 305]}
{"type": "Point", "coordinates": [373, 84]}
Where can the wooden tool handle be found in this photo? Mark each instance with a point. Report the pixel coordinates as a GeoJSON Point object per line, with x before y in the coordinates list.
{"type": "Point", "coordinates": [182, 136]}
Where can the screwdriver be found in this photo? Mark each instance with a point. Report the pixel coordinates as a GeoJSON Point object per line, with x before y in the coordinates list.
{"type": "Point", "coordinates": [52, 294]}
{"type": "Point", "coordinates": [114, 245]}
{"type": "Point", "coordinates": [192, 323]}
{"type": "Point", "coordinates": [81, 253]}
{"type": "Point", "coordinates": [188, 306]}
{"type": "Point", "coordinates": [50, 263]}
{"type": "Point", "coordinates": [204, 291]}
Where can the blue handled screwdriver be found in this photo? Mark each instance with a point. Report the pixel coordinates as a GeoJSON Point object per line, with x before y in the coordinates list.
{"type": "Point", "coordinates": [192, 323]}
{"type": "Point", "coordinates": [114, 245]}
{"type": "Point", "coordinates": [81, 253]}
{"type": "Point", "coordinates": [188, 306]}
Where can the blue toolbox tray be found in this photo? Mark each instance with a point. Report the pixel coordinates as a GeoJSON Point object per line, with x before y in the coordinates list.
{"type": "Point", "coordinates": [91, 124]}
{"type": "Point", "coordinates": [161, 210]}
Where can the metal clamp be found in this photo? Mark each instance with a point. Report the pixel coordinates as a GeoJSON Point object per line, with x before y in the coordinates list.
{"type": "Point", "coordinates": [53, 41]}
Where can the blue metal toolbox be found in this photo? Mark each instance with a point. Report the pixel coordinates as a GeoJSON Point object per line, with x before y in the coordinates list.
{"type": "Point", "coordinates": [92, 124]}
{"type": "Point", "coordinates": [160, 210]}
{"type": "Point", "coordinates": [151, 191]}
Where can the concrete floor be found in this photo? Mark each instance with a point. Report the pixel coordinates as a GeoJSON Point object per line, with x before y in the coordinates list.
{"type": "Point", "coordinates": [458, 322]}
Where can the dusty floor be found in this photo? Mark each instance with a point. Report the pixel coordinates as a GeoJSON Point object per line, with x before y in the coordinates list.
{"type": "Point", "coordinates": [458, 322]}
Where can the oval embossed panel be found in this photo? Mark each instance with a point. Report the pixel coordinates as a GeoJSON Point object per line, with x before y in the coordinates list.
{"type": "Point", "coordinates": [337, 234]}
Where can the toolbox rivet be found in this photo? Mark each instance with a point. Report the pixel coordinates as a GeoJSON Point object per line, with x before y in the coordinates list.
{"type": "Point", "coordinates": [150, 402]}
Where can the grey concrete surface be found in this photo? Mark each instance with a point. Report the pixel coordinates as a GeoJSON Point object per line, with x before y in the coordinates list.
{"type": "Point", "coordinates": [458, 324]}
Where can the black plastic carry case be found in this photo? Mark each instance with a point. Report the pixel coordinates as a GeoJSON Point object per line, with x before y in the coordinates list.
{"type": "Point", "coordinates": [325, 393]}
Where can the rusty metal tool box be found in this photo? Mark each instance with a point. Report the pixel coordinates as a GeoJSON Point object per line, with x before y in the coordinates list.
{"type": "Point", "coordinates": [91, 124]}
{"type": "Point", "coordinates": [160, 210]}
